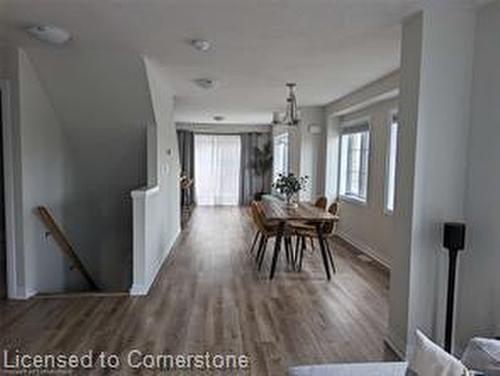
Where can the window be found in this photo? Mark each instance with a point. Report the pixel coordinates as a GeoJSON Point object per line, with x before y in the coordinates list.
{"type": "Point", "coordinates": [390, 174]}
{"type": "Point", "coordinates": [354, 160]}
{"type": "Point", "coordinates": [217, 169]}
{"type": "Point", "coordinates": [280, 161]}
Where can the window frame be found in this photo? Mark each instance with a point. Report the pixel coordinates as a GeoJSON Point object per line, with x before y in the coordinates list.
{"type": "Point", "coordinates": [357, 122]}
{"type": "Point", "coordinates": [393, 114]}
{"type": "Point", "coordinates": [276, 139]}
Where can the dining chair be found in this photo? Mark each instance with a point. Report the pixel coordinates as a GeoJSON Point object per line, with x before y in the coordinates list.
{"type": "Point", "coordinates": [254, 212]}
{"type": "Point", "coordinates": [309, 231]}
{"type": "Point", "coordinates": [321, 203]}
{"type": "Point", "coordinates": [265, 231]}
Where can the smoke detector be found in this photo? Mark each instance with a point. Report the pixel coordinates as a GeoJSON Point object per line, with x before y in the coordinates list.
{"type": "Point", "coordinates": [201, 45]}
{"type": "Point", "coordinates": [49, 34]}
{"type": "Point", "coordinates": [207, 83]}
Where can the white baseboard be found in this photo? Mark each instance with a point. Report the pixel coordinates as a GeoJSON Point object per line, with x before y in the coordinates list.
{"type": "Point", "coordinates": [23, 293]}
{"type": "Point", "coordinates": [140, 289]}
{"type": "Point", "coordinates": [366, 249]}
{"type": "Point", "coordinates": [396, 344]}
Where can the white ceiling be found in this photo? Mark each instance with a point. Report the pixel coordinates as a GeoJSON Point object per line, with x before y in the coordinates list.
{"type": "Point", "coordinates": [329, 47]}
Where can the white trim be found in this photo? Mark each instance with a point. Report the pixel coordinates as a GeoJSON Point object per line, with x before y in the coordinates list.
{"type": "Point", "coordinates": [356, 121]}
{"type": "Point", "coordinates": [389, 95]}
{"type": "Point", "coordinates": [145, 192]}
{"type": "Point", "coordinates": [366, 249]}
{"type": "Point", "coordinates": [391, 113]}
{"type": "Point", "coordinates": [396, 344]}
{"type": "Point", "coordinates": [27, 293]}
{"type": "Point", "coordinates": [374, 89]}
{"type": "Point", "coordinates": [14, 290]}
{"type": "Point", "coordinates": [346, 124]}
{"type": "Point", "coordinates": [353, 200]}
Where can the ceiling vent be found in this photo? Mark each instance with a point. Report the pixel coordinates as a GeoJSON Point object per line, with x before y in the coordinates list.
{"type": "Point", "coordinates": [201, 45]}
{"type": "Point", "coordinates": [49, 34]}
{"type": "Point", "coordinates": [207, 83]}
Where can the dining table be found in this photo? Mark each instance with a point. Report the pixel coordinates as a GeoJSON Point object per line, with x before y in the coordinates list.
{"type": "Point", "coordinates": [278, 211]}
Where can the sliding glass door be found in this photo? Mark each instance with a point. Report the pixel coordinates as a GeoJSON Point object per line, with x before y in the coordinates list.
{"type": "Point", "coordinates": [217, 169]}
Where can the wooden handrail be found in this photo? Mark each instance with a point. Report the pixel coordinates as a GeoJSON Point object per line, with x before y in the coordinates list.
{"type": "Point", "coordinates": [64, 244]}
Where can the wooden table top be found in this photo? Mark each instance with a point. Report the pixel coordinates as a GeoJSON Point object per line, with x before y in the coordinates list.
{"type": "Point", "coordinates": [275, 209]}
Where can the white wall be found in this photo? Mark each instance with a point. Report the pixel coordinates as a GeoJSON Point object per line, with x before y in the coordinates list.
{"type": "Point", "coordinates": [158, 215]}
{"type": "Point", "coordinates": [372, 92]}
{"type": "Point", "coordinates": [47, 179]}
{"type": "Point", "coordinates": [80, 134]}
{"type": "Point", "coordinates": [365, 226]}
{"type": "Point", "coordinates": [41, 174]}
{"type": "Point", "coordinates": [307, 150]}
{"type": "Point", "coordinates": [411, 45]}
{"type": "Point", "coordinates": [331, 156]}
{"type": "Point", "coordinates": [385, 88]}
{"type": "Point", "coordinates": [101, 100]}
{"type": "Point", "coordinates": [312, 151]}
{"type": "Point", "coordinates": [368, 226]}
{"type": "Point", "coordinates": [434, 109]}
{"type": "Point", "coordinates": [294, 145]}
{"type": "Point", "coordinates": [479, 288]}
{"type": "Point", "coordinates": [16, 274]}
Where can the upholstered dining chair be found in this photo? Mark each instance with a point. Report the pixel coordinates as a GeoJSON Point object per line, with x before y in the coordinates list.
{"type": "Point", "coordinates": [321, 202]}
{"type": "Point", "coordinates": [265, 231]}
{"type": "Point", "coordinates": [308, 231]}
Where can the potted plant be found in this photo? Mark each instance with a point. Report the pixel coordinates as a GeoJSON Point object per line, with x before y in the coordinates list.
{"type": "Point", "coordinates": [289, 185]}
{"type": "Point", "coordinates": [262, 164]}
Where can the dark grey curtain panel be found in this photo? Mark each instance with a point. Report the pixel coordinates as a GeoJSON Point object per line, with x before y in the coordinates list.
{"type": "Point", "coordinates": [186, 157]}
{"type": "Point", "coordinates": [252, 183]}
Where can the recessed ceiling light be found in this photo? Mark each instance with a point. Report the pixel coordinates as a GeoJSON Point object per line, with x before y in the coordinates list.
{"type": "Point", "coordinates": [207, 83]}
{"type": "Point", "coordinates": [219, 118]}
{"type": "Point", "coordinates": [49, 33]}
{"type": "Point", "coordinates": [201, 45]}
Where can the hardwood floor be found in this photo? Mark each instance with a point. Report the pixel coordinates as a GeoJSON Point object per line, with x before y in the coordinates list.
{"type": "Point", "coordinates": [210, 297]}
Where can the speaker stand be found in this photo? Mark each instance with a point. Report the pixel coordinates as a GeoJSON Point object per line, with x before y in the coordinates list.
{"type": "Point", "coordinates": [450, 300]}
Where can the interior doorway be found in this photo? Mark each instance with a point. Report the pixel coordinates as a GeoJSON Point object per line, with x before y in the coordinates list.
{"type": "Point", "coordinates": [217, 169]}
{"type": "Point", "coordinates": [3, 257]}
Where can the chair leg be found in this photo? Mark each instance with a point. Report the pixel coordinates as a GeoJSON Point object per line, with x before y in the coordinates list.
{"type": "Point", "coordinates": [290, 250]}
{"type": "Point", "coordinates": [263, 252]}
{"type": "Point", "coordinates": [296, 251]}
{"type": "Point", "coordinates": [255, 238]}
{"type": "Point", "coordinates": [312, 243]}
{"type": "Point", "coordinates": [259, 249]}
{"type": "Point", "coordinates": [301, 254]}
{"type": "Point", "coordinates": [330, 256]}
{"type": "Point", "coordinates": [287, 249]}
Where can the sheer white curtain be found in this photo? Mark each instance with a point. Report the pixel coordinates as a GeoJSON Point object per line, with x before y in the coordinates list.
{"type": "Point", "coordinates": [217, 169]}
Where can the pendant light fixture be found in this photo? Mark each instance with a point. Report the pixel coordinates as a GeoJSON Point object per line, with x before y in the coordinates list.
{"type": "Point", "coordinates": [291, 117]}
